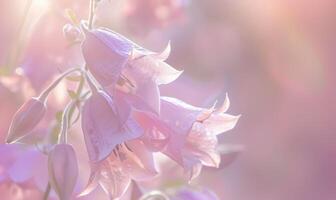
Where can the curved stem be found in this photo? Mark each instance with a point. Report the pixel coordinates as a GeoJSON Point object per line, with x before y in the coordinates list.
{"type": "Point", "coordinates": [91, 14]}
{"type": "Point", "coordinates": [62, 138]}
{"type": "Point", "coordinates": [44, 95]}
{"type": "Point", "coordinates": [89, 81]}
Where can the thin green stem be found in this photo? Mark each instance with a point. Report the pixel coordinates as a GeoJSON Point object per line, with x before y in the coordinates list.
{"type": "Point", "coordinates": [62, 138]}
{"type": "Point", "coordinates": [89, 81]}
{"type": "Point", "coordinates": [91, 14]}
{"type": "Point", "coordinates": [44, 95]}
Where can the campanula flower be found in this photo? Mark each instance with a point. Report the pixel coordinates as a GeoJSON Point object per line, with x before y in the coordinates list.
{"type": "Point", "coordinates": [102, 128]}
{"type": "Point", "coordinates": [118, 63]}
{"type": "Point", "coordinates": [105, 53]}
{"type": "Point", "coordinates": [130, 161]}
{"type": "Point", "coordinates": [190, 132]}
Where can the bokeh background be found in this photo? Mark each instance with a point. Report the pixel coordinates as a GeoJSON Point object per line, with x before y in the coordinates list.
{"type": "Point", "coordinates": [275, 59]}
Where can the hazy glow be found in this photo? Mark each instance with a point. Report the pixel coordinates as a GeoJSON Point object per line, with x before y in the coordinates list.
{"type": "Point", "coordinates": [41, 4]}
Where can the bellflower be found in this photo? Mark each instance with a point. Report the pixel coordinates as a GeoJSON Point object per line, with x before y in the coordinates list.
{"type": "Point", "coordinates": [130, 161]}
{"type": "Point", "coordinates": [102, 128]}
{"type": "Point", "coordinates": [118, 63]}
{"type": "Point", "coordinates": [190, 132]}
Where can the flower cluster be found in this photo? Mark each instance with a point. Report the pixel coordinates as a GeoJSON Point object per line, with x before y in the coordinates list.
{"type": "Point", "coordinates": [124, 120]}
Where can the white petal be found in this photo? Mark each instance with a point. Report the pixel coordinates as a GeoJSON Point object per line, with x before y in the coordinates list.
{"type": "Point", "coordinates": [164, 54]}
{"type": "Point", "coordinates": [219, 123]}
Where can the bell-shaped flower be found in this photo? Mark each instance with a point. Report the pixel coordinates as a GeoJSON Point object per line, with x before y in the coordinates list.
{"type": "Point", "coordinates": [105, 53]}
{"type": "Point", "coordinates": [117, 62]}
{"type": "Point", "coordinates": [142, 75]}
{"type": "Point", "coordinates": [26, 119]}
{"type": "Point", "coordinates": [103, 128]}
{"type": "Point", "coordinates": [190, 132]}
{"type": "Point", "coordinates": [63, 170]}
{"type": "Point", "coordinates": [129, 161]}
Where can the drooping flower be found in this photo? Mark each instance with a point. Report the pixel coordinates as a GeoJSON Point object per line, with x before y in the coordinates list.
{"type": "Point", "coordinates": [63, 170]}
{"type": "Point", "coordinates": [105, 53]}
{"type": "Point", "coordinates": [102, 127]}
{"type": "Point", "coordinates": [118, 63]}
{"type": "Point", "coordinates": [26, 119]}
{"type": "Point", "coordinates": [190, 133]}
{"type": "Point", "coordinates": [129, 161]}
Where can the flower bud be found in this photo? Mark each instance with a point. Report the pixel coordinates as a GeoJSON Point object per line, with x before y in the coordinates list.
{"type": "Point", "coordinates": [26, 119]}
{"type": "Point", "coordinates": [63, 170]}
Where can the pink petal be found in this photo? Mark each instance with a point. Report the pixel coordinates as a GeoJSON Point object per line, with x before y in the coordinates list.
{"type": "Point", "coordinates": [102, 129]}
{"type": "Point", "coordinates": [157, 133]}
{"type": "Point", "coordinates": [122, 106]}
{"type": "Point", "coordinates": [140, 162]}
{"type": "Point", "coordinates": [202, 146]}
{"type": "Point", "coordinates": [175, 122]}
{"type": "Point", "coordinates": [105, 54]}
{"type": "Point", "coordinates": [92, 184]}
{"type": "Point", "coordinates": [154, 140]}
{"type": "Point", "coordinates": [149, 67]}
{"type": "Point", "coordinates": [146, 97]}
{"type": "Point", "coordinates": [179, 115]}
{"type": "Point", "coordinates": [63, 170]}
{"type": "Point", "coordinates": [114, 180]}
{"type": "Point", "coordinates": [225, 106]}
{"type": "Point", "coordinates": [162, 56]}
{"type": "Point", "coordinates": [219, 123]}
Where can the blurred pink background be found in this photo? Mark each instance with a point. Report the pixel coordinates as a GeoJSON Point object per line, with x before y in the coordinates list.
{"type": "Point", "coordinates": [276, 61]}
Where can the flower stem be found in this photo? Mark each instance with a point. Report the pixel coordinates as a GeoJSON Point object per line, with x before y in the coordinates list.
{"type": "Point", "coordinates": [91, 14]}
{"type": "Point", "coordinates": [44, 95]}
{"type": "Point", "coordinates": [47, 192]}
{"type": "Point", "coordinates": [62, 138]}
